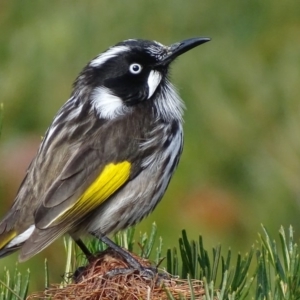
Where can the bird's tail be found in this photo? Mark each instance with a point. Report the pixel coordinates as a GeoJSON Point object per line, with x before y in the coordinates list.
{"type": "Point", "coordinates": [11, 240]}
{"type": "Point", "coordinates": [5, 238]}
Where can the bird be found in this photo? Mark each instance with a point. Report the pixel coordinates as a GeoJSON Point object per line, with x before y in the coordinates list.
{"type": "Point", "coordinates": [108, 156]}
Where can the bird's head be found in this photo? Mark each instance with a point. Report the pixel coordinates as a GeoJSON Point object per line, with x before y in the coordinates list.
{"type": "Point", "coordinates": [129, 73]}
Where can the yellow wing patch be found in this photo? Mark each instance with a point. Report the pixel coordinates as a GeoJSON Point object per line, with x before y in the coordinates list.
{"type": "Point", "coordinates": [109, 181]}
{"type": "Point", "coordinates": [6, 237]}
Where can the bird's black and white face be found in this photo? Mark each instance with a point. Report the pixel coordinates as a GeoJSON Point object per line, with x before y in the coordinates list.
{"type": "Point", "coordinates": [129, 70]}
{"type": "Point", "coordinates": [130, 73]}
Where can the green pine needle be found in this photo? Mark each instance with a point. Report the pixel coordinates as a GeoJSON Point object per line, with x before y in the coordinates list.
{"type": "Point", "coordinates": [14, 287]}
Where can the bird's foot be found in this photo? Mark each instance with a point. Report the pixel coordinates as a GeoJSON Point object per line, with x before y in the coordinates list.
{"type": "Point", "coordinates": [147, 273]}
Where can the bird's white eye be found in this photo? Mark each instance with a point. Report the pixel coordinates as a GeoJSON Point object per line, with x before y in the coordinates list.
{"type": "Point", "coordinates": [135, 68]}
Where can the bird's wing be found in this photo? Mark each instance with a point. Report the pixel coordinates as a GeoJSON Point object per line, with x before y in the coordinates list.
{"type": "Point", "coordinates": [89, 176]}
{"type": "Point", "coordinates": [85, 183]}
{"type": "Point", "coordinates": [87, 171]}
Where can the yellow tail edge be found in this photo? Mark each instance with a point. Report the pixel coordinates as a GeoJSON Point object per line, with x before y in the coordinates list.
{"type": "Point", "coordinates": [6, 237]}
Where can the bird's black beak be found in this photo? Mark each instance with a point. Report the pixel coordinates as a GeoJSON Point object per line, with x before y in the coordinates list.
{"type": "Point", "coordinates": [179, 48]}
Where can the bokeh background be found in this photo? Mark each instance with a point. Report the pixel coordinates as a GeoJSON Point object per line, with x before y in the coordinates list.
{"type": "Point", "coordinates": [241, 162]}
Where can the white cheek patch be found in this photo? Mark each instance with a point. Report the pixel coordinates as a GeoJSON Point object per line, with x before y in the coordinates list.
{"type": "Point", "coordinates": [153, 81]}
{"type": "Point", "coordinates": [110, 53]}
{"type": "Point", "coordinates": [107, 105]}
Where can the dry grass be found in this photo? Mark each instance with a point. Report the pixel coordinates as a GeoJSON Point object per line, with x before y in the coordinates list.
{"type": "Point", "coordinates": [92, 283]}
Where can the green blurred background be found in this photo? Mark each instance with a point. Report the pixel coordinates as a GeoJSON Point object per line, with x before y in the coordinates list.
{"type": "Point", "coordinates": [241, 162]}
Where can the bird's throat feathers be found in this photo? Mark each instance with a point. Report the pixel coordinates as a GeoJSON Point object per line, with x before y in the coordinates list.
{"type": "Point", "coordinates": [166, 102]}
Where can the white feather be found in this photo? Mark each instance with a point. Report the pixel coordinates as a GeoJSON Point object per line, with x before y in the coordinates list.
{"type": "Point", "coordinates": [74, 113]}
{"type": "Point", "coordinates": [107, 105]}
{"type": "Point", "coordinates": [174, 148]}
{"type": "Point", "coordinates": [110, 53]}
{"type": "Point", "coordinates": [21, 238]}
{"type": "Point", "coordinates": [51, 131]}
{"type": "Point", "coordinates": [169, 105]}
{"type": "Point", "coordinates": [153, 81]}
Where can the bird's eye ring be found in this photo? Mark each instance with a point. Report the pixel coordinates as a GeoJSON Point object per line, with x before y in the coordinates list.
{"type": "Point", "coordinates": [135, 68]}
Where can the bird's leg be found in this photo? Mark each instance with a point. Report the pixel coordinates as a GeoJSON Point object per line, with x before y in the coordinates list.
{"type": "Point", "coordinates": [131, 261]}
{"type": "Point", "coordinates": [89, 256]}
{"type": "Point", "coordinates": [84, 249]}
